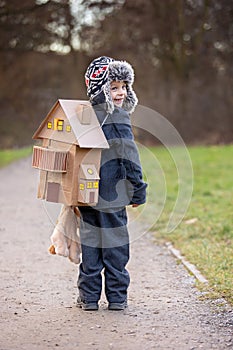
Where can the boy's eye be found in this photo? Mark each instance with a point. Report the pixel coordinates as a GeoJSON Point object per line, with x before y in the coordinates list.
{"type": "Point", "coordinates": [114, 88]}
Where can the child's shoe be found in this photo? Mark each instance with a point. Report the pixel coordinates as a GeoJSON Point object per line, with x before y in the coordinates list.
{"type": "Point", "coordinates": [87, 306]}
{"type": "Point", "coordinates": [118, 306]}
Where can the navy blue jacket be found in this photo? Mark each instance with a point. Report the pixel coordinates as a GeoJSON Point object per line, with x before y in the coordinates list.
{"type": "Point", "coordinates": [121, 180]}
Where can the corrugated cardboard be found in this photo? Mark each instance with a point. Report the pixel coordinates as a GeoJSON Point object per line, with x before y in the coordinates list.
{"type": "Point", "coordinates": [70, 153]}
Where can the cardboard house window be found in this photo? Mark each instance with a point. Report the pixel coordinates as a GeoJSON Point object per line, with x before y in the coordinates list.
{"type": "Point", "coordinates": [96, 184]}
{"type": "Point", "coordinates": [49, 125]}
{"type": "Point", "coordinates": [81, 187]}
{"type": "Point", "coordinates": [68, 128]}
{"type": "Point", "coordinates": [58, 124]}
{"type": "Point", "coordinates": [49, 159]}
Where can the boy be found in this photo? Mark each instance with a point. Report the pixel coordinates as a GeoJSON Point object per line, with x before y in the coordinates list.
{"type": "Point", "coordinates": [103, 229]}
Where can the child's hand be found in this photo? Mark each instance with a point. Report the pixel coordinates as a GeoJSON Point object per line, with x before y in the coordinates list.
{"type": "Point", "coordinates": [135, 205]}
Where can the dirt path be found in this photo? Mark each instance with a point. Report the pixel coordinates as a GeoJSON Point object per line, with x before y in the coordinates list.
{"type": "Point", "coordinates": [38, 291]}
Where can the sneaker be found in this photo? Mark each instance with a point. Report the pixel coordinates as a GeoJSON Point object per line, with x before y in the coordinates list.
{"type": "Point", "coordinates": [87, 306]}
{"type": "Point", "coordinates": [118, 306]}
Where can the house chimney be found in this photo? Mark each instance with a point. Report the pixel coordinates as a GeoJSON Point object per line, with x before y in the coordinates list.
{"type": "Point", "coordinates": [84, 114]}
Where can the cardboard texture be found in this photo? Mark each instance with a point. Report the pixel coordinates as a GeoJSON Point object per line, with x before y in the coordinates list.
{"type": "Point", "coordinates": [70, 153]}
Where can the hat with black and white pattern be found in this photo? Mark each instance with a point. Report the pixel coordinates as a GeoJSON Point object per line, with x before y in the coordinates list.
{"type": "Point", "coordinates": [96, 76]}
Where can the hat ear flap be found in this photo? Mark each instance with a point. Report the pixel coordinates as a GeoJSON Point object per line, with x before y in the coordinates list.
{"type": "Point", "coordinates": [108, 98]}
{"type": "Point", "coordinates": [130, 101]}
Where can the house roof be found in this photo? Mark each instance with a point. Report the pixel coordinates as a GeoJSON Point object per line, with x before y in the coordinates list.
{"type": "Point", "coordinates": [86, 135]}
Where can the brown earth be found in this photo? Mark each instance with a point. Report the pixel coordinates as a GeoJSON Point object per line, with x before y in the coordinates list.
{"type": "Point", "coordinates": [38, 290]}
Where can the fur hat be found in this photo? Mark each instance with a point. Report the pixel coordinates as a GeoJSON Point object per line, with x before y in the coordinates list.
{"type": "Point", "coordinates": [99, 75]}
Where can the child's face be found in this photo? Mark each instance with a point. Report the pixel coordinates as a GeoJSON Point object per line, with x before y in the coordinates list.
{"type": "Point", "coordinates": [118, 92]}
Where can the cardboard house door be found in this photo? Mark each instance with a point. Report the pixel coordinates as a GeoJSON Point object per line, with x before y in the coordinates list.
{"type": "Point", "coordinates": [53, 190]}
{"type": "Point", "coordinates": [92, 197]}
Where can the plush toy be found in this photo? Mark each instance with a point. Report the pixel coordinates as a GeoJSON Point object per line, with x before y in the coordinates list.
{"type": "Point", "coordinates": [65, 237]}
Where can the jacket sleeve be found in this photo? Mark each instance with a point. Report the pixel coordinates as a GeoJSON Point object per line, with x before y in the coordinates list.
{"type": "Point", "coordinates": [131, 161]}
{"type": "Point", "coordinates": [136, 186]}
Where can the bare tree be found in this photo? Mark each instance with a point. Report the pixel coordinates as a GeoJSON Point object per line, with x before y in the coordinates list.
{"type": "Point", "coordinates": [38, 25]}
{"type": "Point", "coordinates": [181, 50]}
{"type": "Point", "coordinates": [179, 36]}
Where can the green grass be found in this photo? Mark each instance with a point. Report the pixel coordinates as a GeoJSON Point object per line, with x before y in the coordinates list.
{"type": "Point", "coordinates": [8, 156]}
{"type": "Point", "coordinates": [207, 240]}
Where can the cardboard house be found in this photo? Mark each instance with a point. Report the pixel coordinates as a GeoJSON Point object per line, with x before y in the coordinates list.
{"type": "Point", "coordinates": [69, 154]}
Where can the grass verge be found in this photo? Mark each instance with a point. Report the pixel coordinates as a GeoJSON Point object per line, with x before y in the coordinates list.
{"type": "Point", "coordinates": [205, 235]}
{"type": "Point", "coordinates": [8, 156]}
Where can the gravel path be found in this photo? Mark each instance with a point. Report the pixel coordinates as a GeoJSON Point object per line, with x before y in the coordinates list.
{"type": "Point", "coordinates": [38, 290]}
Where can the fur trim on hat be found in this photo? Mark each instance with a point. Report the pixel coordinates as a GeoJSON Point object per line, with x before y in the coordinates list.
{"type": "Point", "coordinates": [121, 71]}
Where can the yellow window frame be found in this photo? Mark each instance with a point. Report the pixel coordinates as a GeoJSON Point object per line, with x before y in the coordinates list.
{"type": "Point", "coordinates": [58, 124]}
